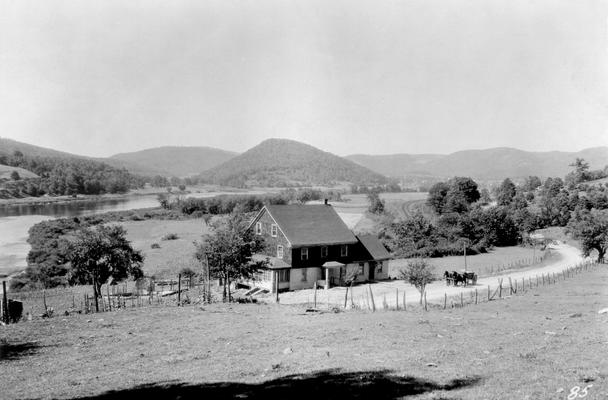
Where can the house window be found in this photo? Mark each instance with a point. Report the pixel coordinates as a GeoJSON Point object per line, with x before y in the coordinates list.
{"type": "Point", "coordinates": [379, 266]}
{"type": "Point", "coordinates": [279, 251]}
{"type": "Point", "coordinates": [267, 275]}
{"type": "Point", "coordinates": [273, 230]}
{"type": "Point", "coordinates": [344, 250]}
{"type": "Point", "coordinates": [303, 253]}
{"type": "Point", "coordinates": [303, 278]}
{"type": "Point", "coordinates": [258, 228]}
{"type": "Point", "coordinates": [284, 275]}
{"type": "Point", "coordinates": [324, 252]}
{"type": "Point", "coordinates": [360, 269]}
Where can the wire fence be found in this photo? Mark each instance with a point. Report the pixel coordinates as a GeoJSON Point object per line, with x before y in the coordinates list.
{"type": "Point", "coordinates": [400, 300]}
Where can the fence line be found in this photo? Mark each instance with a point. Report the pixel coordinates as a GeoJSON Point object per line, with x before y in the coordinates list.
{"type": "Point", "coordinates": [466, 297]}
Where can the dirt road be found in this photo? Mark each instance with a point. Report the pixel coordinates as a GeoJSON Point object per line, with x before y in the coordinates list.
{"type": "Point", "coordinates": [569, 257]}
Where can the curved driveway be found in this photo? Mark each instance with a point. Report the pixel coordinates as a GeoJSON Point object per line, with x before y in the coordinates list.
{"type": "Point", "coordinates": [569, 257]}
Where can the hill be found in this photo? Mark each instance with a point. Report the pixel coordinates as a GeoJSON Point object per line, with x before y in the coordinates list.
{"type": "Point", "coordinates": [9, 146]}
{"type": "Point", "coordinates": [489, 164]}
{"type": "Point", "coordinates": [173, 160]}
{"type": "Point", "coordinates": [6, 171]}
{"type": "Point", "coordinates": [282, 162]}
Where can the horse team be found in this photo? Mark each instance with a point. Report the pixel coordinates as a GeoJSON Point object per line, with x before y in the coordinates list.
{"type": "Point", "coordinates": [454, 278]}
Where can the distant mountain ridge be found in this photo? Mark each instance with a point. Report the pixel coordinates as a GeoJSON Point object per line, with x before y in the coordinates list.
{"type": "Point", "coordinates": [166, 161]}
{"type": "Point", "coordinates": [283, 162]}
{"type": "Point", "coordinates": [175, 160]}
{"type": "Point", "coordinates": [489, 164]}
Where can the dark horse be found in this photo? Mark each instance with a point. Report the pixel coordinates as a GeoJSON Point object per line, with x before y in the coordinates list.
{"type": "Point", "coordinates": [454, 278]}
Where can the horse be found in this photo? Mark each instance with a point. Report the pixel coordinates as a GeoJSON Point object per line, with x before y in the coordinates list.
{"type": "Point", "coordinates": [458, 278]}
{"type": "Point", "coordinates": [448, 278]}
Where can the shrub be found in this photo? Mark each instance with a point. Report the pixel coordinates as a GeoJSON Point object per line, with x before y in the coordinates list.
{"type": "Point", "coordinates": [155, 246]}
{"type": "Point", "coordinates": [170, 236]}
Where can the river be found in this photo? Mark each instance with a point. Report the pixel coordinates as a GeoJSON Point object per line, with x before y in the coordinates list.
{"type": "Point", "coordinates": [15, 221]}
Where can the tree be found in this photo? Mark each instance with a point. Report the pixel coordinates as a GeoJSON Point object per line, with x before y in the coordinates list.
{"type": "Point", "coordinates": [376, 204]}
{"type": "Point", "coordinates": [455, 195]}
{"type": "Point", "coordinates": [98, 253]}
{"type": "Point", "coordinates": [591, 228]}
{"type": "Point", "coordinates": [436, 198]}
{"type": "Point", "coordinates": [580, 174]}
{"type": "Point", "coordinates": [484, 196]}
{"type": "Point", "coordinates": [418, 273]}
{"type": "Point", "coordinates": [531, 183]}
{"type": "Point", "coordinates": [506, 192]}
{"type": "Point", "coordinates": [466, 186]}
{"type": "Point", "coordinates": [227, 251]}
{"type": "Point", "coordinates": [412, 237]}
{"type": "Point", "coordinates": [15, 176]}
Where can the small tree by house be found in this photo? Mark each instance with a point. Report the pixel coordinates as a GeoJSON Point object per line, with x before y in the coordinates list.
{"type": "Point", "coordinates": [418, 273]}
{"type": "Point", "coordinates": [98, 253]}
{"type": "Point", "coordinates": [227, 251]}
{"type": "Point", "coordinates": [15, 176]}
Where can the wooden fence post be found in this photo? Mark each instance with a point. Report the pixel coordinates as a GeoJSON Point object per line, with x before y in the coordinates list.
{"type": "Point", "coordinates": [445, 300]}
{"type": "Point", "coordinates": [371, 295]}
{"type": "Point", "coordinates": [346, 297]}
{"type": "Point", "coordinates": [488, 292]}
{"type": "Point", "coordinates": [314, 298]}
{"type": "Point", "coordinates": [179, 290]}
{"type": "Point", "coordinates": [475, 295]}
{"type": "Point", "coordinates": [404, 303]}
{"type": "Point", "coordinates": [461, 301]}
{"type": "Point", "coordinates": [500, 289]}
{"type": "Point", "coordinates": [397, 299]}
{"type": "Point", "coordinates": [5, 315]}
{"type": "Point", "coordinates": [109, 300]}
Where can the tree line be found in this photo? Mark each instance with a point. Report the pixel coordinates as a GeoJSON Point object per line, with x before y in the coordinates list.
{"type": "Point", "coordinates": [466, 217]}
{"type": "Point", "coordinates": [242, 203]}
{"type": "Point", "coordinates": [66, 176]}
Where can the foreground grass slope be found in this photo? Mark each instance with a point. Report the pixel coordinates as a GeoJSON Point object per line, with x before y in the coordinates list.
{"type": "Point", "coordinates": [537, 346]}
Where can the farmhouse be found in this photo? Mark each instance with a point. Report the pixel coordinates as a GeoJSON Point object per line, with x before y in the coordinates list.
{"type": "Point", "coordinates": [310, 243]}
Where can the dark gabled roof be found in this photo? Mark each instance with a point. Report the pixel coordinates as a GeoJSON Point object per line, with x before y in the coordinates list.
{"type": "Point", "coordinates": [310, 225]}
{"type": "Point", "coordinates": [374, 247]}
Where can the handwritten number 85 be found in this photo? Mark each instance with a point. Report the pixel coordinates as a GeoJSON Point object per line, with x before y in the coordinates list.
{"type": "Point", "coordinates": [576, 392]}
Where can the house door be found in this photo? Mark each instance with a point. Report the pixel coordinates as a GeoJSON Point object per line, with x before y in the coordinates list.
{"type": "Point", "coordinates": [372, 269]}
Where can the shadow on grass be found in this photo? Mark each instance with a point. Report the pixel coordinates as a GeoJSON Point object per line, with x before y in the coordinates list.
{"type": "Point", "coordinates": [326, 384]}
{"type": "Point", "coordinates": [14, 351]}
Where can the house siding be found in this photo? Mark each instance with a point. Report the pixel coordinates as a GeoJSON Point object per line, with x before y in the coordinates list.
{"type": "Point", "coordinates": [272, 242]}
{"type": "Point", "coordinates": [311, 275]}
{"type": "Point", "coordinates": [315, 259]}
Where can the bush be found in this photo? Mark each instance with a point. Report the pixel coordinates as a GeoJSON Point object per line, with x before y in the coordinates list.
{"type": "Point", "coordinates": [155, 246]}
{"type": "Point", "coordinates": [170, 236]}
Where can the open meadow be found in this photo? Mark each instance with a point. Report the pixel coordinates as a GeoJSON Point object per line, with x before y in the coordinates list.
{"type": "Point", "coordinates": [538, 345]}
{"type": "Point", "coordinates": [173, 238]}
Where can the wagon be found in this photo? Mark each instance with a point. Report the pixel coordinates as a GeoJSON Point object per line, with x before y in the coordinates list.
{"type": "Point", "coordinates": [455, 277]}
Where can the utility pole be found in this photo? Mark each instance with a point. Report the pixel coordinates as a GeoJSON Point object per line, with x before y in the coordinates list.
{"type": "Point", "coordinates": [464, 245]}
{"type": "Point", "coordinates": [208, 279]}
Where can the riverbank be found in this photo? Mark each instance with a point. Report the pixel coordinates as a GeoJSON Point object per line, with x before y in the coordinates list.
{"type": "Point", "coordinates": [148, 191]}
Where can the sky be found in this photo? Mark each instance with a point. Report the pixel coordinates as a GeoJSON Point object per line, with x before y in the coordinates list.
{"type": "Point", "coordinates": [100, 77]}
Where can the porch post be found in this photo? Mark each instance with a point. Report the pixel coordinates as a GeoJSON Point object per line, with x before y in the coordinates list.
{"type": "Point", "coordinates": [326, 278]}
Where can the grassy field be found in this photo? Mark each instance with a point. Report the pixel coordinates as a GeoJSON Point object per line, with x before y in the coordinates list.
{"type": "Point", "coordinates": [533, 346]}
{"type": "Point", "coordinates": [497, 260]}
{"type": "Point", "coordinates": [172, 255]}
